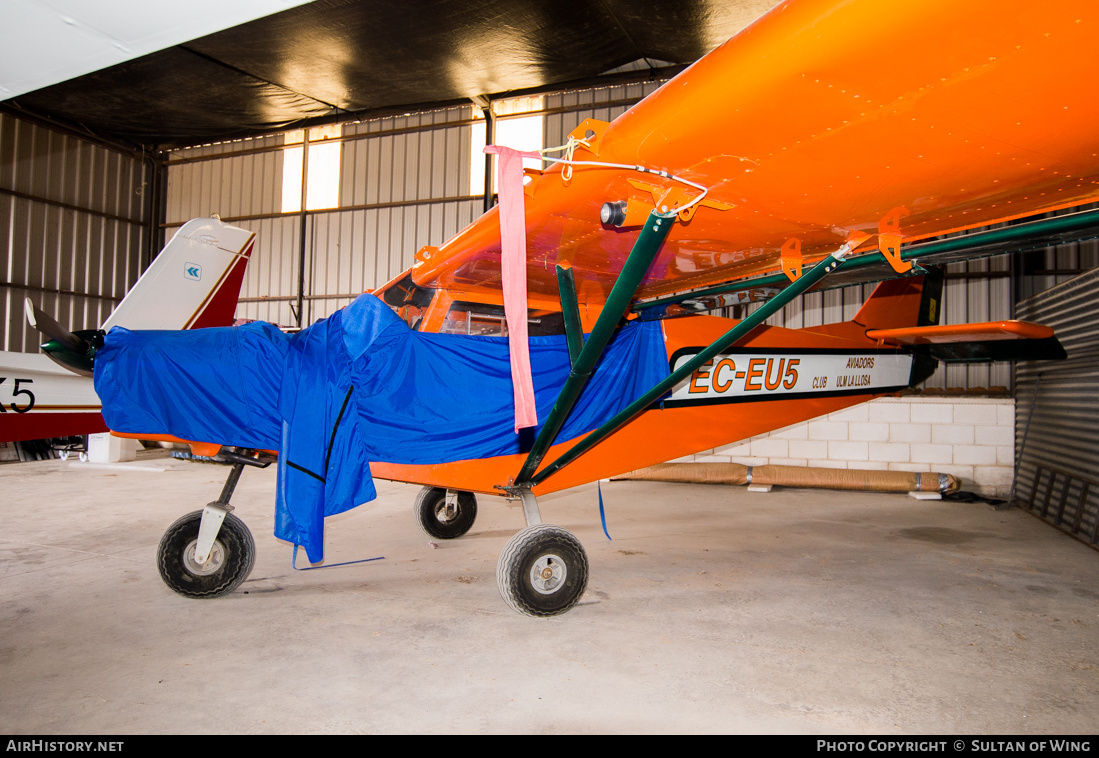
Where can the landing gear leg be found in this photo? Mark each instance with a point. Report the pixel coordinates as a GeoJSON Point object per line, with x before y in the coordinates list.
{"type": "Point", "coordinates": [213, 515]}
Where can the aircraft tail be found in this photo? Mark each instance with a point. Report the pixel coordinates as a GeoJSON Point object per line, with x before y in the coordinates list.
{"type": "Point", "coordinates": [905, 313]}
{"type": "Point", "coordinates": [194, 282]}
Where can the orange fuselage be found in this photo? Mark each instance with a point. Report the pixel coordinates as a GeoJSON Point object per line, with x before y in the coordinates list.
{"type": "Point", "coordinates": [775, 378]}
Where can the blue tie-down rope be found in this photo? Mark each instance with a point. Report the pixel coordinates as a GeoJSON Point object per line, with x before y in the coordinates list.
{"type": "Point", "coordinates": [294, 562]}
{"type": "Point", "coordinates": [602, 513]}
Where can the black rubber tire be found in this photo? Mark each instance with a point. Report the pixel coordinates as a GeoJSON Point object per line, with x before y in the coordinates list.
{"type": "Point", "coordinates": [429, 504]}
{"type": "Point", "coordinates": [236, 557]}
{"type": "Point", "coordinates": [547, 544]}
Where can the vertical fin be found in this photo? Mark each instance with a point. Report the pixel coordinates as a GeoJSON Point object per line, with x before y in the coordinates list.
{"type": "Point", "coordinates": [194, 282]}
{"type": "Point", "coordinates": [893, 304]}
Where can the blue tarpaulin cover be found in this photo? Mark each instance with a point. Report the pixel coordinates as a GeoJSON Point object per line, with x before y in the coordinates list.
{"type": "Point", "coordinates": [359, 386]}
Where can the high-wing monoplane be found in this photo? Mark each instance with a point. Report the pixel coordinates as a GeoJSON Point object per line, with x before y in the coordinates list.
{"type": "Point", "coordinates": [561, 337]}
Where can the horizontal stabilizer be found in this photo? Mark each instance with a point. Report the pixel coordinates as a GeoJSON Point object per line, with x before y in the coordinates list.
{"type": "Point", "coordinates": [1048, 349]}
{"type": "Point", "coordinates": [985, 332]}
{"type": "Point", "coordinates": [967, 343]}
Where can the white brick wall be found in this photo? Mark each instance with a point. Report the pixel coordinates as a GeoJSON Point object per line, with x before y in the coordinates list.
{"type": "Point", "coordinates": [971, 438]}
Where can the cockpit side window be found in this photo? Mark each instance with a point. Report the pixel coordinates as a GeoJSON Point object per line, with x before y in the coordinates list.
{"type": "Point", "coordinates": [481, 318]}
{"type": "Point", "coordinates": [408, 300]}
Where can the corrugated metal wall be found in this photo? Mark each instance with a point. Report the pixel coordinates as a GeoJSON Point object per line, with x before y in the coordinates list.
{"type": "Point", "coordinates": [1042, 269]}
{"type": "Point", "coordinates": [565, 110]}
{"type": "Point", "coordinates": [403, 184]}
{"type": "Point", "coordinates": [72, 228]}
{"type": "Point", "coordinates": [1057, 407]}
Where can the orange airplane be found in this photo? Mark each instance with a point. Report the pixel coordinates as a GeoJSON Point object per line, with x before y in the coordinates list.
{"type": "Point", "coordinates": [786, 160]}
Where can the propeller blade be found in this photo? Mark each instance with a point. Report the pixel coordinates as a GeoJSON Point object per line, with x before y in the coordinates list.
{"type": "Point", "coordinates": [48, 327]}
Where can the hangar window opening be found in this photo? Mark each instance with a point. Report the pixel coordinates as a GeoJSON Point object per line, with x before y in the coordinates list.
{"type": "Point", "coordinates": [518, 125]}
{"type": "Point", "coordinates": [323, 184]}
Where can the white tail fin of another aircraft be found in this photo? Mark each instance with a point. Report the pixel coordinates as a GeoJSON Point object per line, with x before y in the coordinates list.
{"type": "Point", "coordinates": [193, 283]}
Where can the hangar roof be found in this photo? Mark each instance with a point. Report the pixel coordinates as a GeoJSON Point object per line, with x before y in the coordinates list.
{"type": "Point", "coordinates": [334, 59]}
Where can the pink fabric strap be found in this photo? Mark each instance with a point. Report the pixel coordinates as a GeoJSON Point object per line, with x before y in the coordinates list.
{"type": "Point", "coordinates": [513, 262]}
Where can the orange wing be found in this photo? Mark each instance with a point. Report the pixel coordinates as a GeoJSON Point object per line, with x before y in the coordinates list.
{"type": "Point", "coordinates": [870, 121]}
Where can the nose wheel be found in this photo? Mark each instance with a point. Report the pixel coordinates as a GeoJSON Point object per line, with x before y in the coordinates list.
{"type": "Point", "coordinates": [543, 571]}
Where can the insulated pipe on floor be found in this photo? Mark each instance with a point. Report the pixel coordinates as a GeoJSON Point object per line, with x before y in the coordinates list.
{"type": "Point", "coordinates": [796, 476]}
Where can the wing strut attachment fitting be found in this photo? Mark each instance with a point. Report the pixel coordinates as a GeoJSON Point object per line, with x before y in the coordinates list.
{"type": "Point", "coordinates": [889, 239]}
{"type": "Point", "coordinates": [791, 259]}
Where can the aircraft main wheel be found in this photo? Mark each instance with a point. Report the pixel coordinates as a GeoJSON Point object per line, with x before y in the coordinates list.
{"type": "Point", "coordinates": [543, 571]}
{"type": "Point", "coordinates": [439, 521]}
{"type": "Point", "coordinates": [229, 564]}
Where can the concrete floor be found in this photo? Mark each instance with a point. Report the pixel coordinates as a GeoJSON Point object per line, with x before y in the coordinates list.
{"type": "Point", "coordinates": [712, 610]}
